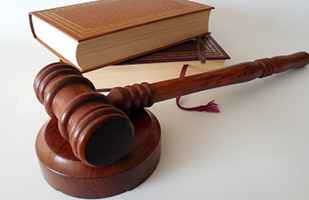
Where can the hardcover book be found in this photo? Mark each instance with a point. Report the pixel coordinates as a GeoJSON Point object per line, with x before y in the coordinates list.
{"type": "Point", "coordinates": [161, 65]}
{"type": "Point", "coordinates": [100, 33]}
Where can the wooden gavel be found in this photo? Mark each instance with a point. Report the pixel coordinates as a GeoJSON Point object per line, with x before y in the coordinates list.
{"type": "Point", "coordinates": [97, 126]}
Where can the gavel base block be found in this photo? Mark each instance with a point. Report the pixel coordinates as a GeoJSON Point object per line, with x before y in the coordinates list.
{"type": "Point", "coordinates": [64, 172]}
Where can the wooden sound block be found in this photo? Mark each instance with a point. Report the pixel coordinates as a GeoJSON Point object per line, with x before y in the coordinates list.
{"type": "Point", "coordinates": [64, 172]}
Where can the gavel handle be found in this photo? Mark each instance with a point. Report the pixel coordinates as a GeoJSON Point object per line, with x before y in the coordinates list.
{"type": "Point", "coordinates": [238, 73]}
{"type": "Point", "coordinates": [144, 95]}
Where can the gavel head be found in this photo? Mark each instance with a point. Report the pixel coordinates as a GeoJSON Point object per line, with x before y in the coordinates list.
{"type": "Point", "coordinates": [99, 133]}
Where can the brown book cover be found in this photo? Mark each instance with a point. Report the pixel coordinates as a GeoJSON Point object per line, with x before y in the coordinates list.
{"type": "Point", "coordinates": [161, 65]}
{"type": "Point", "coordinates": [118, 26]}
{"type": "Point", "coordinates": [92, 19]}
{"type": "Point", "coordinates": [183, 52]}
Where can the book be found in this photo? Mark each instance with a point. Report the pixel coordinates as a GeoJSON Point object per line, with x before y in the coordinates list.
{"type": "Point", "coordinates": [161, 65]}
{"type": "Point", "coordinates": [100, 33]}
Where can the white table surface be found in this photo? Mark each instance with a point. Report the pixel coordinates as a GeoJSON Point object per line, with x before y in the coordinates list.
{"type": "Point", "coordinates": [256, 148]}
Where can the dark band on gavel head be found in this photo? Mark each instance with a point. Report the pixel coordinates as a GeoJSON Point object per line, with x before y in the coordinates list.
{"type": "Point", "coordinates": [99, 133]}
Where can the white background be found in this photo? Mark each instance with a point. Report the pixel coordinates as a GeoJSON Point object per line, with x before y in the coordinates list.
{"type": "Point", "coordinates": [256, 148]}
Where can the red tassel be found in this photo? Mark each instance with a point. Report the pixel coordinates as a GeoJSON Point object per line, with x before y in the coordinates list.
{"type": "Point", "coordinates": [210, 107]}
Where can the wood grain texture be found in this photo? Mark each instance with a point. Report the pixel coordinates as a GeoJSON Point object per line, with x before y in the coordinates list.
{"type": "Point", "coordinates": [126, 98]}
{"type": "Point", "coordinates": [99, 133]}
{"type": "Point", "coordinates": [66, 173]}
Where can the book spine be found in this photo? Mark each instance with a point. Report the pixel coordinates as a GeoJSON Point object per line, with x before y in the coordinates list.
{"type": "Point", "coordinates": [46, 46]}
{"type": "Point", "coordinates": [31, 25]}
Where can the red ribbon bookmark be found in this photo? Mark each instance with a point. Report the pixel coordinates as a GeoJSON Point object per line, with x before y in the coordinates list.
{"type": "Point", "coordinates": [210, 107]}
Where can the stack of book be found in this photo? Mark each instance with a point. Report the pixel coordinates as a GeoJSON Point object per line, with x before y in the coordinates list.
{"type": "Point", "coordinates": [120, 42]}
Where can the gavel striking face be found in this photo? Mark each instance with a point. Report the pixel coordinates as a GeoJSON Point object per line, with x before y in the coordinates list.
{"type": "Point", "coordinates": [97, 126]}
